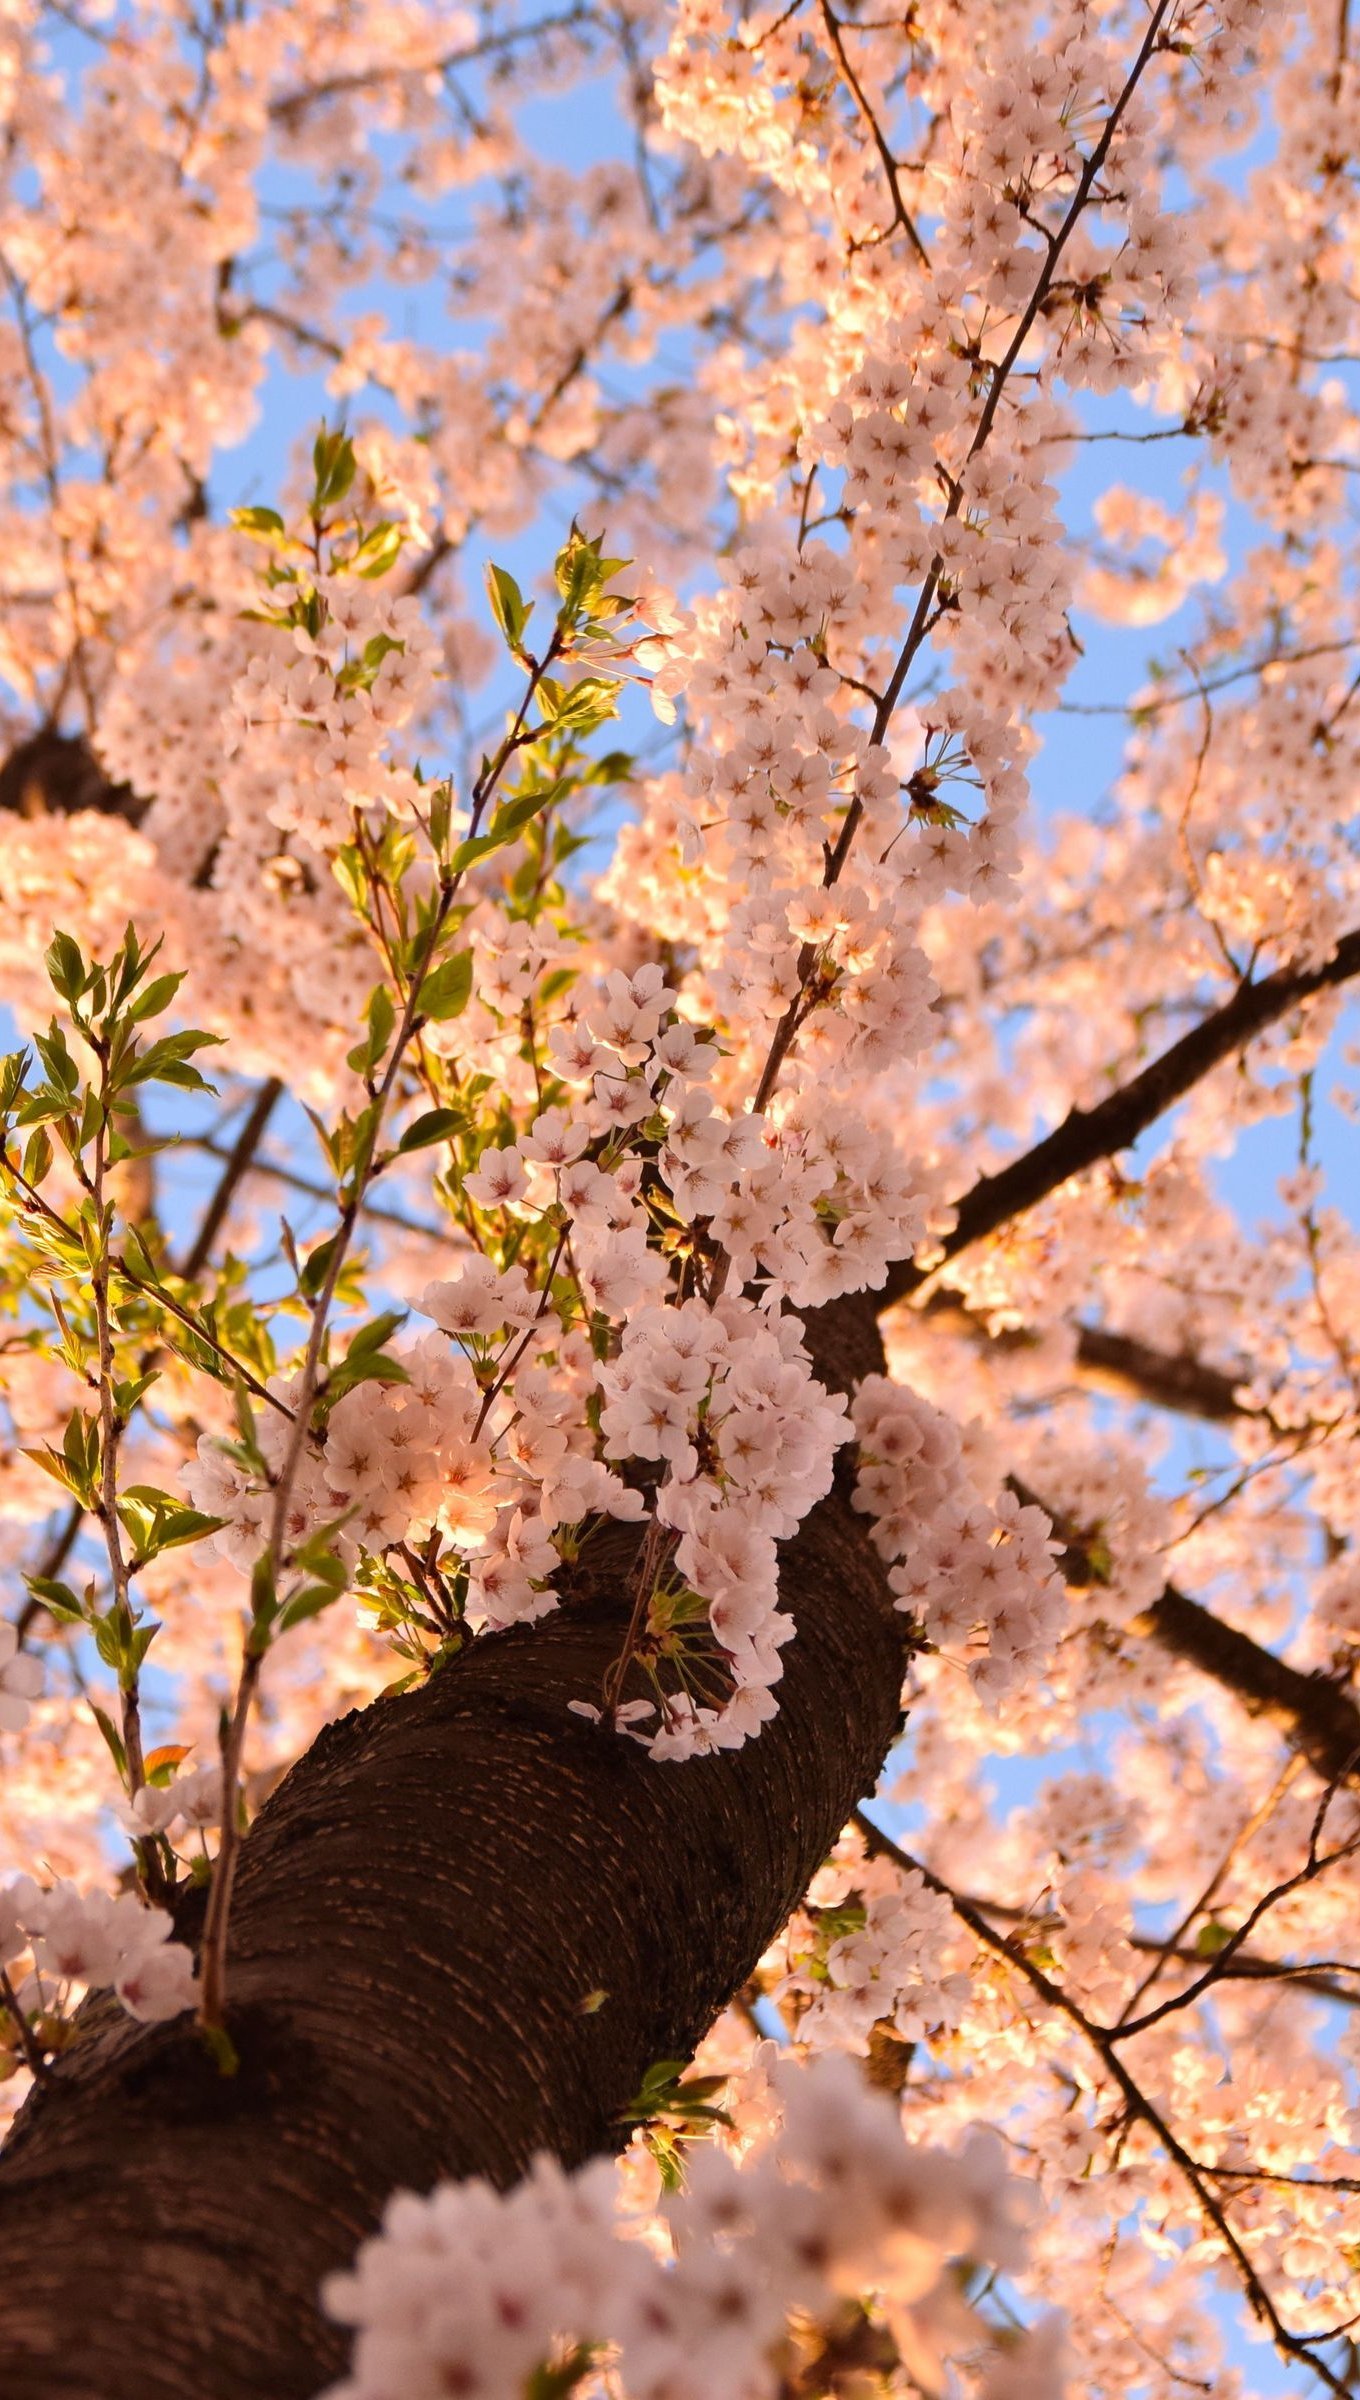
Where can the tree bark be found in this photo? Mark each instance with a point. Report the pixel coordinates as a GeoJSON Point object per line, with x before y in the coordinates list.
{"type": "Point", "coordinates": [464, 1926]}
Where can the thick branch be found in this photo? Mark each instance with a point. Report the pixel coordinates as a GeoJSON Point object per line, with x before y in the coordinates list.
{"type": "Point", "coordinates": [1120, 1362]}
{"type": "Point", "coordinates": [1113, 1362]}
{"type": "Point", "coordinates": [1087, 1135]}
{"type": "Point", "coordinates": [57, 774]}
{"type": "Point", "coordinates": [464, 1926]}
{"type": "Point", "coordinates": [1318, 1718]}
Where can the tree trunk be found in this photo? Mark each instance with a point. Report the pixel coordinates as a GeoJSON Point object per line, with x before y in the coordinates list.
{"type": "Point", "coordinates": [464, 1926]}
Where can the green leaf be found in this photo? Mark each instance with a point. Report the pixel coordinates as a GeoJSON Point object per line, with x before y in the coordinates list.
{"type": "Point", "coordinates": [12, 1072]}
{"type": "Point", "coordinates": [378, 551]}
{"type": "Point", "coordinates": [158, 995]}
{"type": "Point", "coordinates": [37, 1156]}
{"type": "Point", "coordinates": [310, 1602]}
{"type": "Point", "coordinates": [264, 1599]}
{"type": "Point", "coordinates": [335, 466]}
{"type": "Point", "coordinates": [371, 1337]}
{"type": "Point", "coordinates": [436, 1125]}
{"type": "Point", "coordinates": [57, 1059]}
{"type": "Point", "coordinates": [560, 2381]}
{"type": "Point", "coordinates": [1212, 1938]}
{"type": "Point", "coordinates": [508, 606]}
{"type": "Point", "coordinates": [161, 1764]}
{"type": "Point", "coordinates": [513, 815]}
{"type": "Point", "coordinates": [166, 1062]}
{"type": "Point", "coordinates": [142, 1640]}
{"type": "Point", "coordinates": [316, 1266]}
{"type": "Point", "coordinates": [57, 1598]}
{"type": "Point", "coordinates": [586, 704]}
{"type": "Point", "coordinates": [113, 1737]}
{"type": "Point", "coordinates": [361, 673]}
{"type": "Point", "coordinates": [382, 1016]}
{"type": "Point", "coordinates": [162, 1522]}
{"type": "Point", "coordinates": [65, 966]}
{"type": "Point", "coordinates": [510, 819]}
{"type": "Point", "coordinates": [615, 767]}
{"type": "Point", "coordinates": [127, 1394]}
{"type": "Point", "coordinates": [221, 2048]}
{"type": "Point", "coordinates": [108, 1641]}
{"type": "Point", "coordinates": [348, 1375]}
{"type": "Point", "coordinates": [351, 873]}
{"type": "Point", "coordinates": [265, 523]}
{"type": "Point", "coordinates": [446, 990]}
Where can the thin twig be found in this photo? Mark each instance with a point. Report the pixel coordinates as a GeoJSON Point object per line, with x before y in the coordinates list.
{"type": "Point", "coordinates": [1290, 2345]}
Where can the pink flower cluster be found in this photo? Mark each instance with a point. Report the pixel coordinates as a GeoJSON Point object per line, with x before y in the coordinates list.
{"type": "Point", "coordinates": [472, 2290]}
{"type": "Point", "coordinates": [725, 1399]}
{"type": "Point", "coordinates": [977, 1576]}
{"type": "Point", "coordinates": [889, 1971]}
{"type": "Point", "coordinates": [193, 1801]}
{"type": "Point", "coordinates": [89, 1940]}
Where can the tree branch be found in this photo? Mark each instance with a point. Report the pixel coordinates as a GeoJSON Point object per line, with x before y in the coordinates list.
{"type": "Point", "coordinates": [1087, 1135]}
{"type": "Point", "coordinates": [1316, 1717]}
{"type": "Point", "coordinates": [240, 1160]}
{"type": "Point", "coordinates": [1114, 1362]}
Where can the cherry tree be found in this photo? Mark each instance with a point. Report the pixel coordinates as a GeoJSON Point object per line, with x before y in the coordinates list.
{"type": "Point", "coordinates": [677, 1709]}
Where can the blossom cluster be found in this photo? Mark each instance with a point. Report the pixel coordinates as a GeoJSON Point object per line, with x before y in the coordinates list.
{"type": "Point", "coordinates": [193, 1801]}
{"type": "Point", "coordinates": [484, 1444]}
{"type": "Point", "coordinates": [87, 1941]}
{"type": "Point", "coordinates": [725, 1399]}
{"type": "Point", "coordinates": [977, 1576]}
{"type": "Point", "coordinates": [877, 1961]}
{"type": "Point", "coordinates": [473, 2291]}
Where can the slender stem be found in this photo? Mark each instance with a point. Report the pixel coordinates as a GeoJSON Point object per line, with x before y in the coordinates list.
{"type": "Point", "coordinates": [150, 1290]}
{"type": "Point", "coordinates": [901, 214]}
{"type": "Point", "coordinates": [28, 2040]}
{"type": "Point", "coordinates": [240, 1160]}
{"type": "Point", "coordinates": [213, 1962]}
{"type": "Point", "coordinates": [111, 1430]}
{"type": "Point", "coordinates": [213, 1954]}
{"type": "Point", "coordinates": [786, 1030]}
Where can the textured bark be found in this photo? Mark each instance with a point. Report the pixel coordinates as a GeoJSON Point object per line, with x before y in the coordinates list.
{"type": "Point", "coordinates": [426, 1913]}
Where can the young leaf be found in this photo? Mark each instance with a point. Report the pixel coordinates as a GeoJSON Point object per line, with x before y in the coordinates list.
{"type": "Point", "coordinates": [264, 523]}
{"type": "Point", "coordinates": [65, 966]}
{"type": "Point", "coordinates": [447, 988]}
{"type": "Point", "coordinates": [436, 1125]}
{"type": "Point", "coordinates": [316, 1266]}
{"type": "Point", "coordinates": [508, 606]}
{"type": "Point", "coordinates": [377, 551]}
{"type": "Point", "coordinates": [57, 1598]}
